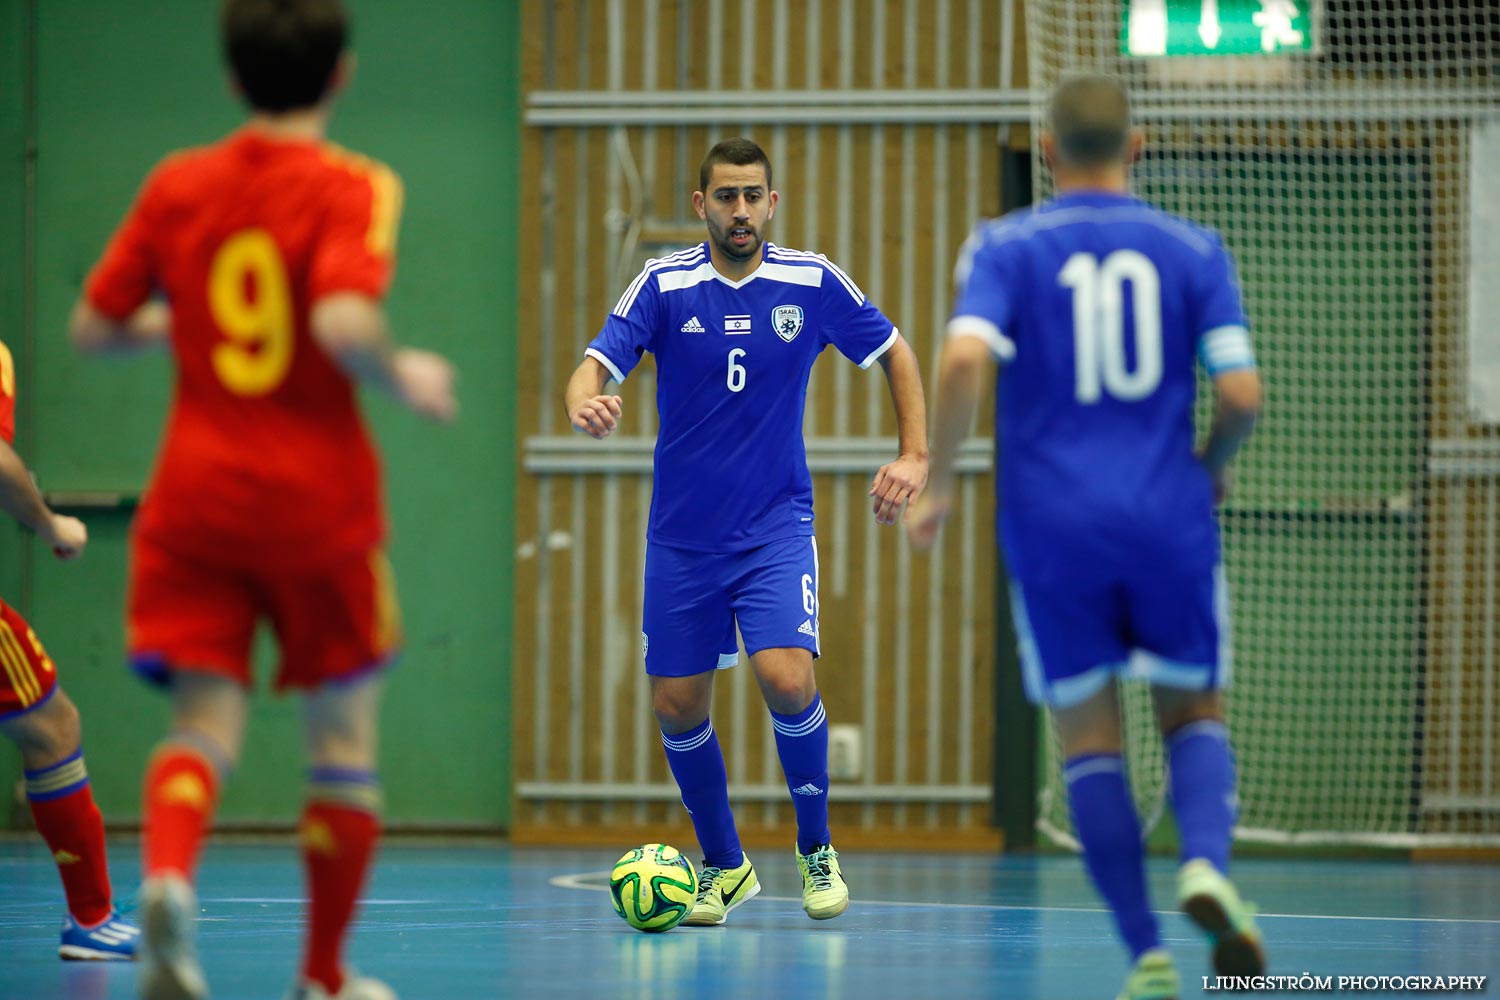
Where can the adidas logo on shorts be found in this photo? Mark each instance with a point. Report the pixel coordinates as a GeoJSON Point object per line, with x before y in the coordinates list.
{"type": "Point", "coordinates": [806, 628]}
{"type": "Point", "coordinates": [692, 326]}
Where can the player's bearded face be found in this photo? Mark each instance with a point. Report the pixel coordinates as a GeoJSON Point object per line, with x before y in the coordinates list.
{"type": "Point", "coordinates": [737, 207]}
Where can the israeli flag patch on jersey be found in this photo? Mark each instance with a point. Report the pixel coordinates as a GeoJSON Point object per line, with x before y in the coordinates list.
{"type": "Point", "coordinates": [787, 321]}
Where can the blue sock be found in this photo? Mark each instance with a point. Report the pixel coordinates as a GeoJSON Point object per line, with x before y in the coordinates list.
{"type": "Point", "coordinates": [1201, 769]}
{"type": "Point", "coordinates": [698, 765]}
{"type": "Point", "coordinates": [1104, 816]}
{"type": "Point", "coordinates": [802, 744]}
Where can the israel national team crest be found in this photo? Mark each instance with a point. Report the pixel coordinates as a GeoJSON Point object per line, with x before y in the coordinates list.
{"type": "Point", "coordinates": [787, 321]}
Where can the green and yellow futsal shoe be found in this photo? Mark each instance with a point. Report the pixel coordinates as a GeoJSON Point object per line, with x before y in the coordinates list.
{"type": "Point", "coordinates": [1153, 978]}
{"type": "Point", "coordinates": [1212, 902]}
{"type": "Point", "coordinates": [824, 894]}
{"type": "Point", "coordinates": [356, 987]}
{"type": "Point", "coordinates": [721, 890]}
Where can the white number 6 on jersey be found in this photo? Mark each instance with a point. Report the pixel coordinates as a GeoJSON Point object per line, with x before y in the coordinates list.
{"type": "Point", "coordinates": [736, 377]}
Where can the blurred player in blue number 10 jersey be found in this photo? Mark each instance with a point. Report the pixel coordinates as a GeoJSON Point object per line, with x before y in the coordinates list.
{"type": "Point", "coordinates": [735, 324]}
{"type": "Point", "coordinates": [1097, 304]}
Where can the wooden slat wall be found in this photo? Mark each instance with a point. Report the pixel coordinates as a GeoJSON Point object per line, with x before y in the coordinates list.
{"type": "Point", "coordinates": [907, 640]}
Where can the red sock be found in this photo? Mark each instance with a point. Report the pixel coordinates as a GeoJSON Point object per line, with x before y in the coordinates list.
{"type": "Point", "coordinates": [338, 842]}
{"type": "Point", "coordinates": [180, 795]}
{"type": "Point", "coordinates": [74, 831]}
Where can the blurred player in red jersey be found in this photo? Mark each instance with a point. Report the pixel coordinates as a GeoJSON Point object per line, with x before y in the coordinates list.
{"type": "Point", "coordinates": [43, 723]}
{"type": "Point", "coordinates": [275, 250]}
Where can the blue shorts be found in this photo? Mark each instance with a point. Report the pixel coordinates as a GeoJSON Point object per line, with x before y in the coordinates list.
{"type": "Point", "coordinates": [695, 599]}
{"type": "Point", "coordinates": [1076, 630]}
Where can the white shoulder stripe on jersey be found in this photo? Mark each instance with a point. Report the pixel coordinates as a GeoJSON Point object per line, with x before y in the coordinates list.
{"type": "Point", "coordinates": [676, 281]}
{"type": "Point", "coordinates": [614, 369]}
{"type": "Point", "coordinates": [999, 344]}
{"type": "Point", "coordinates": [875, 354]}
{"type": "Point", "coordinates": [681, 258]}
{"type": "Point", "coordinates": [965, 264]}
{"type": "Point", "coordinates": [1125, 213]}
{"type": "Point", "coordinates": [672, 281]}
{"type": "Point", "coordinates": [801, 256]}
{"type": "Point", "coordinates": [792, 275]}
{"type": "Point", "coordinates": [816, 259]}
{"type": "Point", "coordinates": [1226, 348]}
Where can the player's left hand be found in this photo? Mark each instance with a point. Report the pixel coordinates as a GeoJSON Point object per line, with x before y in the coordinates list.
{"type": "Point", "coordinates": [896, 485]}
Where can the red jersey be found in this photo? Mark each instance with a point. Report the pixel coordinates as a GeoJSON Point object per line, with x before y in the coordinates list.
{"type": "Point", "coordinates": [7, 395]}
{"type": "Point", "coordinates": [265, 458]}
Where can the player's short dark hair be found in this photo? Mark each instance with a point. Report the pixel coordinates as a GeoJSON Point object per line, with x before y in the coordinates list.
{"type": "Point", "coordinates": [738, 151]}
{"type": "Point", "coordinates": [1089, 117]}
{"type": "Point", "coordinates": [283, 52]}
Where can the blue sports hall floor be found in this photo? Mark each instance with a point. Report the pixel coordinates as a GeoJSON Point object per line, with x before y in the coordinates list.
{"type": "Point", "coordinates": [452, 923]}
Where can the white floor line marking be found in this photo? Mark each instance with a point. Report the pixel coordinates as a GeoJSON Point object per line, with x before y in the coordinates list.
{"type": "Point", "coordinates": [588, 880]}
{"type": "Point", "coordinates": [299, 900]}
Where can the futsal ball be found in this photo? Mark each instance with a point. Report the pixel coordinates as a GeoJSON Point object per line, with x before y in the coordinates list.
{"type": "Point", "coordinates": [653, 887]}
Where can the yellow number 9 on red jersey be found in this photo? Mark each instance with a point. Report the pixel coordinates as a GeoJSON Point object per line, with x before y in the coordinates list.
{"type": "Point", "coordinates": [251, 304]}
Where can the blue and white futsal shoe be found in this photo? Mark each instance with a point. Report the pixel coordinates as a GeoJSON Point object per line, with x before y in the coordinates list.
{"type": "Point", "coordinates": [114, 940]}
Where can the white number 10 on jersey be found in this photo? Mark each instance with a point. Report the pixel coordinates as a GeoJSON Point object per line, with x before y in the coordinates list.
{"type": "Point", "coordinates": [1099, 324]}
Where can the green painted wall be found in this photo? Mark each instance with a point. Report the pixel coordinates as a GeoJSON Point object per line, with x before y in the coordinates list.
{"type": "Point", "coordinates": [13, 103]}
{"type": "Point", "coordinates": [436, 95]}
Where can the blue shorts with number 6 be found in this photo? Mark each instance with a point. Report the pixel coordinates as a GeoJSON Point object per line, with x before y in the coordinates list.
{"type": "Point", "coordinates": [695, 599]}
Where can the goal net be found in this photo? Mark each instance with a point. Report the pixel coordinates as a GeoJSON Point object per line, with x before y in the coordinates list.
{"type": "Point", "coordinates": [1343, 158]}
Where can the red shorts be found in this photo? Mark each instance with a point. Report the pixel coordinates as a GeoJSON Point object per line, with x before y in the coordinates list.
{"type": "Point", "coordinates": [27, 676]}
{"type": "Point", "coordinates": [189, 615]}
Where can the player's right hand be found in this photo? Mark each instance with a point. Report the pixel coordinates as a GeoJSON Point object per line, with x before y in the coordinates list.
{"type": "Point", "coordinates": [926, 516]}
{"type": "Point", "coordinates": [1219, 478]}
{"type": "Point", "coordinates": [597, 416]}
{"type": "Point", "coordinates": [425, 383]}
{"type": "Point", "coordinates": [67, 536]}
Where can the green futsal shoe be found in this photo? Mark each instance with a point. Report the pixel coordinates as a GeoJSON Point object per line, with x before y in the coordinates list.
{"type": "Point", "coordinates": [721, 890]}
{"type": "Point", "coordinates": [824, 894]}
{"type": "Point", "coordinates": [1212, 902]}
{"type": "Point", "coordinates": [1153, 978]}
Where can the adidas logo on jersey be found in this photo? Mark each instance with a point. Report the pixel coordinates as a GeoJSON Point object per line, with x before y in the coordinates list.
{"type": "Point", "coordinates": [693, 326]}
{"type": "Point", "coordinates": [807, 789]}
{"type": "Point", "coordinates": [806, 628]}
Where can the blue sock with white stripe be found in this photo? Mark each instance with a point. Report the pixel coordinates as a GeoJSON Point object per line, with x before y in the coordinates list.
{"type": "Point", "coordinates": [1201, 769]}
{"type": "Point", "coordinates": [802, 744]}
{"type": "Point", "coordinates": [1110, 831]}
{"type": "Point", "coordinates": [698, 765]}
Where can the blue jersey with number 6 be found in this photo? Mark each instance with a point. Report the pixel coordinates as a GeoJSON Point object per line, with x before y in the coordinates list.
{"type": "Point", "coordinates": [1098, 304]}
{"type": "Point", "coordinates": [733, 360]}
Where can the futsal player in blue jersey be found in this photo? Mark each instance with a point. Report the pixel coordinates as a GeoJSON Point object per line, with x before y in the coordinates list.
{"type": "Point", "coordinates": [735, 324]}
{"type": "Point", "coordinates": [1096, 305]}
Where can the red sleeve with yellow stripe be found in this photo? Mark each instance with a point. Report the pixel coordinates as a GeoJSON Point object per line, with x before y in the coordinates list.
{"type": "Point", "coordinates": [7, 395]}
{"type": "Point", "coordinates": [356, 250]}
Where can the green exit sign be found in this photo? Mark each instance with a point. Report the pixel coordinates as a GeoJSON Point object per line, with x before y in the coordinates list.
{"type": "Point", "coordinates": [1216, 27]}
